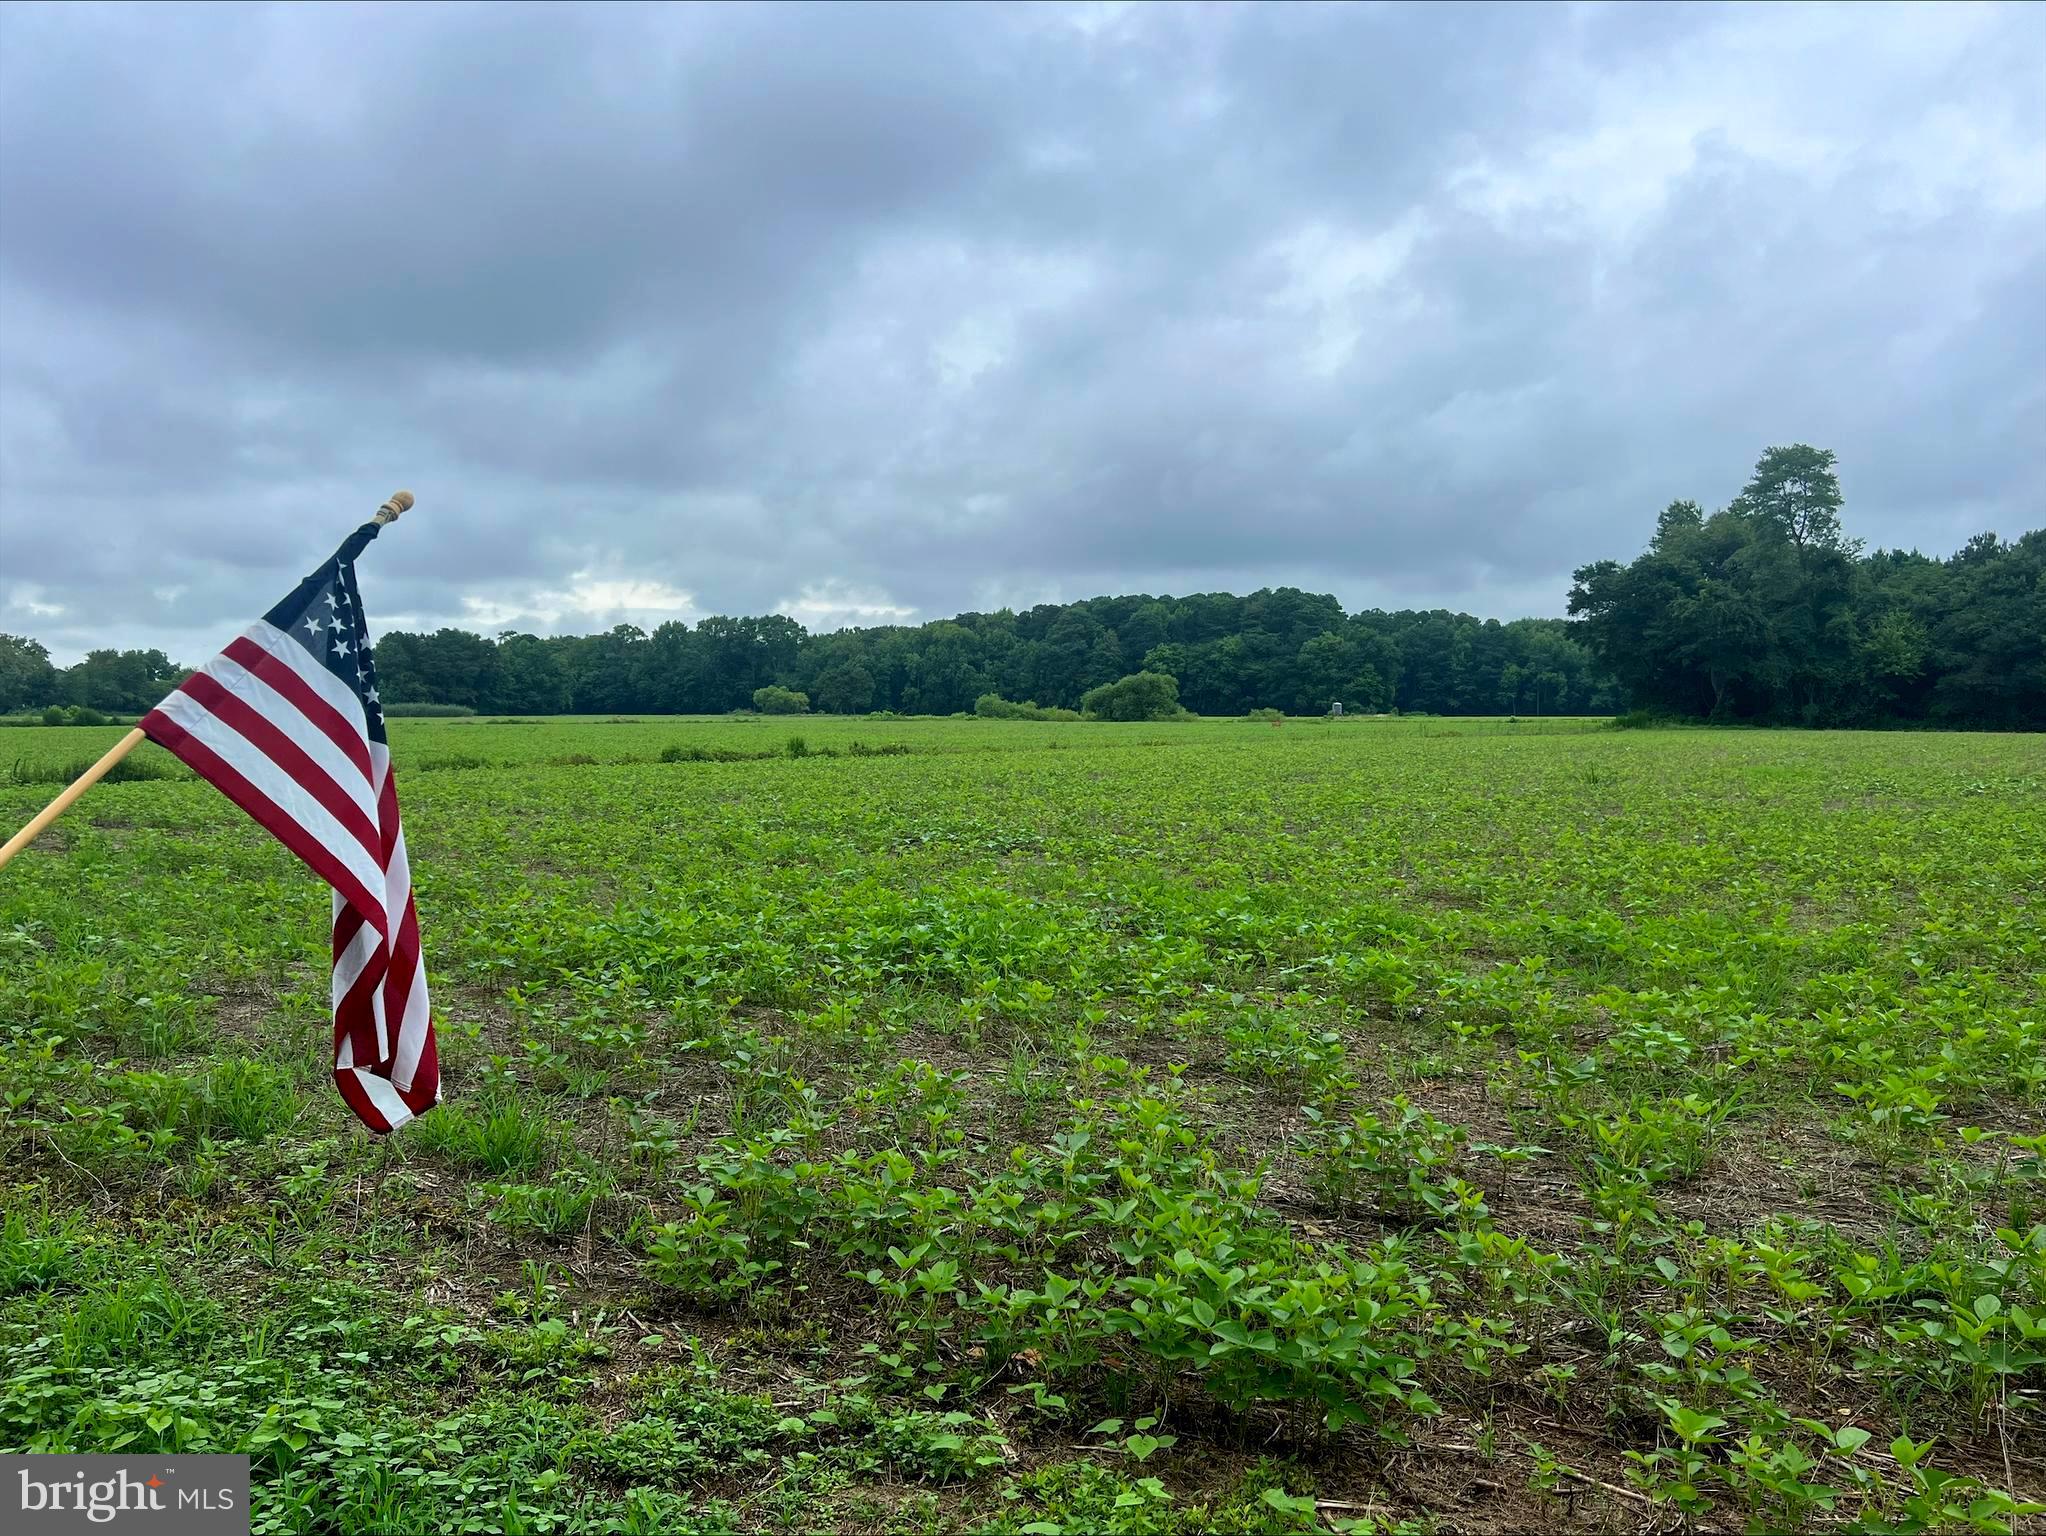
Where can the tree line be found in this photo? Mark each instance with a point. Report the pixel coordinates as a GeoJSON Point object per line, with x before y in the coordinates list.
{"type": "Point", "coordinates": [1278, 648]}
{"type": "Point", "coordinates": [1766, 611]}
{"type": "Point", "coordinates": [1763, 611]}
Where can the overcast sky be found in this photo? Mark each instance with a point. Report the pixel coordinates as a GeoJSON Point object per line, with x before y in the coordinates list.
{"type": "Point", "coordinates": [864, 314]}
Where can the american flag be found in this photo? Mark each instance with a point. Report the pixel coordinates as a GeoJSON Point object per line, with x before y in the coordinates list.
{"type": "Point", "coordinates": [286, 722]}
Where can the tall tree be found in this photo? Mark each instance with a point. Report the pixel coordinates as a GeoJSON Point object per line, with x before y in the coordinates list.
{"type": "Point", "coordinates": [26, 676]}
{"type": "Point", "coordinates": [1795, 492]}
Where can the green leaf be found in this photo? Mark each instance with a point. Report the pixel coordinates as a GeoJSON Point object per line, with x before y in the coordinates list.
{"type": "Point", "coordinates": [1690, 1424]}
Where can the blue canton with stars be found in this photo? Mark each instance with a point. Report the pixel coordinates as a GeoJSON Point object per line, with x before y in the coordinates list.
{"type": "Point", "coordinates": [324, 615]}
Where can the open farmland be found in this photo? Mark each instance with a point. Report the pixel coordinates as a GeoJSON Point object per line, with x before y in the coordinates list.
{"type": "Point", "coordinates": [960, 1125]}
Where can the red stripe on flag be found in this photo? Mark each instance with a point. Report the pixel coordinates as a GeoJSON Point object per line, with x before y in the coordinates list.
{"type": "Point", "coordinates": [404, 970]}
{"type": "Point", "coordinates": [388, 820]}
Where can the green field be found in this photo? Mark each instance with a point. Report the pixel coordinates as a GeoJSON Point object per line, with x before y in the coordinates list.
{"type": "Point", "coordinates": [960, 1125]}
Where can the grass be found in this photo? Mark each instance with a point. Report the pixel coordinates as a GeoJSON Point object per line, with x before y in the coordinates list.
{"type": "Point", "coordinates": [1052, 1127]}
{"type": "Point", "coordinates": [138, 766]}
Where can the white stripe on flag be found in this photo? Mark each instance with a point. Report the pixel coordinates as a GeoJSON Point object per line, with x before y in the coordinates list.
{"type": "Point", "coordinates": [412, 1029]}
{"type": "Point", "coordinates": [349, 963]}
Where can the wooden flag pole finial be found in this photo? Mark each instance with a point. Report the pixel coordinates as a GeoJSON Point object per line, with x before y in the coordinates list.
{"type": "Point", "coordinates": [399, 504]}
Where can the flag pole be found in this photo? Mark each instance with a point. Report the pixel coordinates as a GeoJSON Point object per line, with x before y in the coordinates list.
{"type": "Point", "coordinates": [399, 503]}
{"type": "Point", "coordinates": [77, 787]}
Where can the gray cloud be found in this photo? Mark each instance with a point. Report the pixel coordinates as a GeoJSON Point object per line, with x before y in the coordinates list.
{"type": "Point", "coordinates": [867, 312]}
